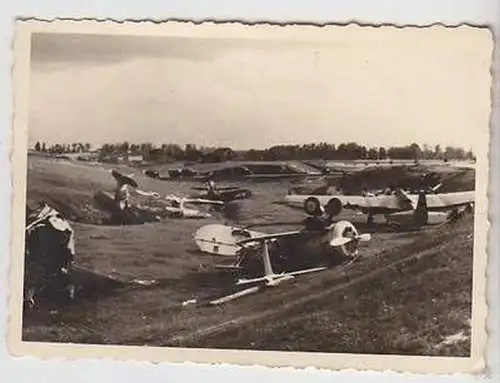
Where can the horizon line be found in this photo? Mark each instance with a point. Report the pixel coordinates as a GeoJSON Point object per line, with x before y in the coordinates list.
{"type": "Point", "coordinates": [215, 146]}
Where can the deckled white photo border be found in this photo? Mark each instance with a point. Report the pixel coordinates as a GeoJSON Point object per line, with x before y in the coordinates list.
{"type": "Point", "coordinates": [21, 71]}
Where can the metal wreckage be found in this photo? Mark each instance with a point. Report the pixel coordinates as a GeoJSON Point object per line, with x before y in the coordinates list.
{"type": "Point", "coordinates": [50, 271]}
{"type": "Point", "coordinates": [50, 268]}
{"type": "Point", "coordinates": [49, 254]}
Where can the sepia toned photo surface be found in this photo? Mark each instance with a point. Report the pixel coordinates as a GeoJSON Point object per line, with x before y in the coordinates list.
{"type": "Point", "coordinates": [253, 194]}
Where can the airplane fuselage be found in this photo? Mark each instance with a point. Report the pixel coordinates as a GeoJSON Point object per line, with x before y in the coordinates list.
{"type": "Point", "coordinates": [393, 207]}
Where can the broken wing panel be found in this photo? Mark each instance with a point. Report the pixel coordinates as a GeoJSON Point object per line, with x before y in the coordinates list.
{"type": "Point", "coordinates": [449, 200]}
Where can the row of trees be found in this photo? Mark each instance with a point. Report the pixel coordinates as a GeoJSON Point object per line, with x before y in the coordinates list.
{"type": "Point", "coordinates": [76, 147]}
{"type": "Point", "coordinates": [354, 151]}
{"type": "Point", "coordinates": [313, 151]}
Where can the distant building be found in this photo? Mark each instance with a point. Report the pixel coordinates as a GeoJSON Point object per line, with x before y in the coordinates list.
{"type": "Point", "coordinates": [138, 158]}
{"type": "Point", "coordinates": [88, 157]}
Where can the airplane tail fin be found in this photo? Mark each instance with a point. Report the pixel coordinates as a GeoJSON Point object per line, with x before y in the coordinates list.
{"type": "Point", "coordinates": [268, 269]}
{"type": "Point", "coordinates": [421, 213]}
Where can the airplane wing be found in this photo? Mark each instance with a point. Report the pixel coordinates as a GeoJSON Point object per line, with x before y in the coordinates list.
{"type": "Point", "coordinates": [203, 201]}
{"type": "Point", "coordinates": [449, 200]}
{"type": "Point", "coordinates": [402, 201]}
{"type": "Point", "coordinates": [264, 237]}
{"type": "Point", "coordinates": [382, 202]}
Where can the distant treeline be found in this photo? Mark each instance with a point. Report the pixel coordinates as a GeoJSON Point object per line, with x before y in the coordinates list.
{"type": "Point", "coordinates": [314, 151]}
{"type": "Point", "coordinates": [76, 147]}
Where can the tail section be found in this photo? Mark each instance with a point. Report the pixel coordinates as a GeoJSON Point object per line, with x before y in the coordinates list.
{"type": "Point", "coordinates": [421, 213]}
{"type": "Point", "coordinates": [268, 269]}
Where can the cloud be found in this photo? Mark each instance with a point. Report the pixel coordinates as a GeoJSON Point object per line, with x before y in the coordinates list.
{"type": "Point", "coordinates": [382, 90]}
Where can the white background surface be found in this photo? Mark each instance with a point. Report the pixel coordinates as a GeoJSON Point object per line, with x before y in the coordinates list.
{"type": "Point", "coordinates": [421, 12]}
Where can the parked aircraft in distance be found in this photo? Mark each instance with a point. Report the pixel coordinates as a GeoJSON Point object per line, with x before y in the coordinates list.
{"type": "Point", "coordinates": [224, 194]}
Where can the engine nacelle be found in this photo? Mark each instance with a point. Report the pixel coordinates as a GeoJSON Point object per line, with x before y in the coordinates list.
{"type": "Point", "coordinates": [345, 229]}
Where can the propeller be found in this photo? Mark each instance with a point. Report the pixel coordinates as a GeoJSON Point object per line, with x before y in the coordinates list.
{"type": "Point", "coordinates": [340, 241]}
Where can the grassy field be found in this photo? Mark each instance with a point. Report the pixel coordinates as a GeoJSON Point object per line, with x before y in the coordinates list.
{"type": "Point", "coordinates": [410, 293]}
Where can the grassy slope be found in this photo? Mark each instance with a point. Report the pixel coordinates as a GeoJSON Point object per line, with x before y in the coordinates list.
{"type": "Point", "coordinates": [409, 308]}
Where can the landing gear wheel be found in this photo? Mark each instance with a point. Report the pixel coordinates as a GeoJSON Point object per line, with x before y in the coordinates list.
{"type": "Point", "coordinates": [312, 207]}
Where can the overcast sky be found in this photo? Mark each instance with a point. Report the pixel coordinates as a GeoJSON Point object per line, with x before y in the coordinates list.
{"type": "Point", "coordinates": [385, 87]}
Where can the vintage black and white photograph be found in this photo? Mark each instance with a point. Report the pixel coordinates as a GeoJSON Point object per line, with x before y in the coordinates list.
{"type": "Point", "coordinates": [315, 193]}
